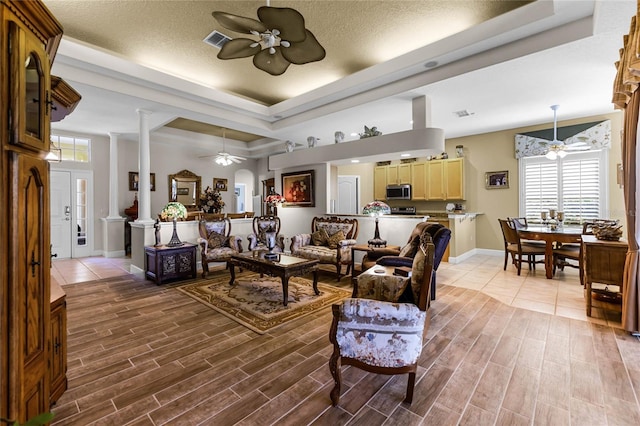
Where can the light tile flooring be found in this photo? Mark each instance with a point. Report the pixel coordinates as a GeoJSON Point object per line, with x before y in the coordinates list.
{"type": "Point", "coordinates": [561, 296]}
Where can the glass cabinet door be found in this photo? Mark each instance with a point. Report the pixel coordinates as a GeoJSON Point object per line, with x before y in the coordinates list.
{"type": "Point", "coordinates": [30, 92]}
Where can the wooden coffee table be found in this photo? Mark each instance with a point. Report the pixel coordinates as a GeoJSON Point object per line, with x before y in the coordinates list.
{"type": "Point", "coordinates": [285, 267]}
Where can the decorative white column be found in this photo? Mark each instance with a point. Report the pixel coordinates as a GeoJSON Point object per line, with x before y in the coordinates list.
{"type": "Point", "coordinates": [113, 176]}
{"type": "Point", "coordinates": [113, 225]}
{"type": "Point", "coordinates": [144, 169]}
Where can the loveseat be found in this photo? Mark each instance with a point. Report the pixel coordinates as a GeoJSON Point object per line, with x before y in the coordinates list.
{"type": "Point", "coordinates": [330, 242]}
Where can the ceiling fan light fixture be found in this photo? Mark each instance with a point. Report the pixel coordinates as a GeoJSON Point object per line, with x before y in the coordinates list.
{"type": "Point", "coordinates": [283, 39]}
{"type": "Point", "coordinates": [551, 155]}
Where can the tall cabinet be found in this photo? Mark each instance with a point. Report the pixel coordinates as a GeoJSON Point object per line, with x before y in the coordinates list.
{"type": "Point", "coordinates": [30, 37]}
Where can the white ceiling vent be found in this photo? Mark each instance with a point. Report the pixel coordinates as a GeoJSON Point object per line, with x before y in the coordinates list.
{"type": "Point", "coordinates": [216, 39]}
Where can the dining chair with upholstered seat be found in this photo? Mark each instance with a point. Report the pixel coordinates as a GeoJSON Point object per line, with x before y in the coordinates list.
{"type": "Point", "coordinates": [519, 249]}
{"type": "Point", "coordinates": [382, 329]}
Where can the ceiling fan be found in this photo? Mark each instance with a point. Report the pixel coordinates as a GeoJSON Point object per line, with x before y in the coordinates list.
{"type": "Point", "coordinates": [557, 148]}
{"type": "Point", "coordinates": [282, 39]}
{"type": "Point", "coordinates": [223, 158]}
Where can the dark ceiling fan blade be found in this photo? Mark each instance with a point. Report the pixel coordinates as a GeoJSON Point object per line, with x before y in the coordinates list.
{"type": "Point", "coordinates": [238, 48]}
{"type": "Point", "coordinates": [239, 24]}
{"type": "Point", "coordinates": [288, 21]}
{"type": "Point", "coordinates": [304, 52]}
{"type": "Point", "coordinates": [274, 64]}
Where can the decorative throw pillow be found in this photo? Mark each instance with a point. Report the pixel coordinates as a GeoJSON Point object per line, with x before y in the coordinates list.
{"type": "Point", "coordinates": [217, 240]}
{"type": "Point", "coordinates": [411, 248]}
{"type": "Point", "coordinates": [335, 239]}
{"type": "Point", "coordinates": [320, 237]}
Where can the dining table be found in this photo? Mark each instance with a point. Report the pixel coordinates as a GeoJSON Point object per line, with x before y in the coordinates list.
{"type": "Point", "coordinates": [548, 234]}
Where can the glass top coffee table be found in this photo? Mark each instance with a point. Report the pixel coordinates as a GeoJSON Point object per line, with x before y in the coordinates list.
{"type": "Point", "coordinates": [285, 267]}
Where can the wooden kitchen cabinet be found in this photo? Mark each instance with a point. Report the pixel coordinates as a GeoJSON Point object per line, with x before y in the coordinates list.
{"type": "Point", "coordinates": [454, 179]}
{"type": "Point", "coordinates": [399, 174]}
{"type": "Point", "coordinates": [419, 181]}
{"type": "Point", "coordinates": [380, 183]}
{"type": "Point", "coordinates": [445, 179]}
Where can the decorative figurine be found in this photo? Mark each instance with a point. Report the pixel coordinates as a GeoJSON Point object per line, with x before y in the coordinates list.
{"type": "Point", "coordinates": [338, 136]}
{"type": "Point", "coordinates": [157, 228]}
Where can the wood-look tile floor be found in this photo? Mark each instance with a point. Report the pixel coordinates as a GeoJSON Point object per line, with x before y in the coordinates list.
{"type": "Point", "coordinates": [143, 354]}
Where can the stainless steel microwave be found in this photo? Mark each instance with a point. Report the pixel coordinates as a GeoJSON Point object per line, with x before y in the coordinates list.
{"type": "Point", "coordinates": [398, 192]}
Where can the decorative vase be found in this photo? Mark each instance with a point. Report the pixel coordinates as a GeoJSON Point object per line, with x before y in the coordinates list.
{"type": "Point", "coordinates": [338, 136]}
{"type": "Point", "coordinates": [271, 243]}
{"type": "Point", "coordinates": [312, 141]}
{"type": "Point", "coordinates": [175, 241]}
{"type": "Point", "coordinates": [289, 145]}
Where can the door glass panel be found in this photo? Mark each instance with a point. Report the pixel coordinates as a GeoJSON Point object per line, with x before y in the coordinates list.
{"type": "Point", "coordinates": [33, 92]}
{"type": "Point", "coordinates": [81, 211]}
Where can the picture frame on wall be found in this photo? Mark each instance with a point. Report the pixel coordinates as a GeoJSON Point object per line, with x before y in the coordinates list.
{"type": "Point", "coordinates": [497, 180]}
{"type": "Point", "coordinates": [298, 189]}
{"type": "Point", "coordinates": [133, 181]}
{"type": "Point", "coordinates": [220, 184]}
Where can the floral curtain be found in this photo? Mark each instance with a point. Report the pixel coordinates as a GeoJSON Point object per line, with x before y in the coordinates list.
{"type": "Point", "coordinates": [627, 98]}
{"type": "Point", "coordinates": [597, 136]}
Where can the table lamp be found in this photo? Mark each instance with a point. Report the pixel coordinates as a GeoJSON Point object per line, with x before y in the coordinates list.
{"type": "Point", "coordinates": [377, 209]}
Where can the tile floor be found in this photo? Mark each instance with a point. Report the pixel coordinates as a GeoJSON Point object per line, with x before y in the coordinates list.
{"type": "Point", "coordinates": [561, 296]}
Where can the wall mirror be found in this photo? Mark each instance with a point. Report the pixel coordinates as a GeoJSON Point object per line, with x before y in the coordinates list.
{"type": "Point", "coordinates": [185, 188]}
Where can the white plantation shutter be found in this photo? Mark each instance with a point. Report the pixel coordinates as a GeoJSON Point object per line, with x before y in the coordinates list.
{"type": "Point", "coordinates": [574, 185]}
{"type": "Point", "coordinates": [540, 188]}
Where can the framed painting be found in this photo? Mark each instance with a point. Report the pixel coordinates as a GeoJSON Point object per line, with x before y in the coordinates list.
{"type": "Point", "coordinates": [133, 181]}
{"type": "Point", "coordinates": [497, 180]}
{"type": "Point", "coordinates": [298, 189]}
{"type": "Point", "coordinates": [220, 184]}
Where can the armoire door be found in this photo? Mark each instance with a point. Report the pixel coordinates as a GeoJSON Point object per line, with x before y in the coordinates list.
{"type": "Point", "coordinates": [29, 286]}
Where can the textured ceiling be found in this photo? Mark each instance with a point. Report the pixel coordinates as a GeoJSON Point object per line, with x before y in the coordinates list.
{"type": "Point", "coordinates": [167, 36]}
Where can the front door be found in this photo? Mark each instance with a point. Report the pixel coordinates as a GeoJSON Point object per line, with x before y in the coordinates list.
{"type": "Point", "coordinates": [61, 214]}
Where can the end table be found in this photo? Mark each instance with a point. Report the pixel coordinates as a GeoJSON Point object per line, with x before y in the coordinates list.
{"type": "Point", "coordinates": [163, 263]}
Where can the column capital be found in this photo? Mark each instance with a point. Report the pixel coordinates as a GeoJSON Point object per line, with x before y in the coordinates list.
{"type": "Point", "coordinates": [114, 134]}
{"type": "Point", "coordinates": [143, 111]}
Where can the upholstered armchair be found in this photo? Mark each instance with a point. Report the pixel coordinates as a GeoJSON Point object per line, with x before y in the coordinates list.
{"type": "Point", "coordinates": [216, 242]}
{"type": "Point", "coordinates": [440, 236]}
{"type": "Point", "coordinates": [258, 239]}
{"type": "Point", "coordinates": [381, 329]}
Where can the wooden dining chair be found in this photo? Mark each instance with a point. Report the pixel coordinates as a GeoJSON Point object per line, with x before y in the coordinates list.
{"type": "Point", "coordinates": [518, 249]}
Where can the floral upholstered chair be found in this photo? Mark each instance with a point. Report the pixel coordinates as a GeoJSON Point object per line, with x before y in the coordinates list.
{"type": "Point", "coordinates": [381, 330]}
{"type": "Point", "coordinates": [258, 239]}
{"type": "Point", "coordinates": [216, 243]}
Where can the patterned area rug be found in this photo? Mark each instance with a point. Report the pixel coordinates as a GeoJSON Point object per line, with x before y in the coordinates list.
{"type": "Point", "coordinates": [256, 302]}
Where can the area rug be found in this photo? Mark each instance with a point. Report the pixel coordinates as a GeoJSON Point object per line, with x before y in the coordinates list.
{"type": "Point", "coordinates": [256, 302]}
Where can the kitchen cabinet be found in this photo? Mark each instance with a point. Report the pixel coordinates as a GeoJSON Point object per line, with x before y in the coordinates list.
{"type": "Point", "coordinates": [394, 174]}
{"type": "Point", "coordinates": [398, 174]}
{"type": "Point", "coordinates": [445, 179]}
{"type": "Point", "coordinates": [419, 180]}
{"type": "Point", "coordinates": [380, 183]}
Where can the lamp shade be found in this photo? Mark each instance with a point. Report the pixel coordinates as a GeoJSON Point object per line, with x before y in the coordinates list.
{"type": "Point", "coordinates": [376, 208]}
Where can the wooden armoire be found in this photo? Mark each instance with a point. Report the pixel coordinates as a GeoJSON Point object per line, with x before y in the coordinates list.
{"type": "Point", "coordinates": [28, 43]}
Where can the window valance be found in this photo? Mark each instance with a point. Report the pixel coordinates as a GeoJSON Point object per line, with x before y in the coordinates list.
{"type": "Point", "coordinates": [596, 135]}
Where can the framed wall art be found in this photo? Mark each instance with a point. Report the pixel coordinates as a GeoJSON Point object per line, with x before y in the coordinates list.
{"type": "Point", "coordinates": [133, 181]}
{"type": "Point", "coordinates": [220, 184]}
{"type": "Point", "coordinates": [298, 189]}
{"type": "Point", "coordinates": [497, 180]}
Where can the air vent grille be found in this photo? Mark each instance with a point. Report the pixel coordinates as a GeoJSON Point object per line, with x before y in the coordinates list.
{"type": "Point", "coordinates": [462, 113]}
{"type": "Point", "coordinates": [217, 39]}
